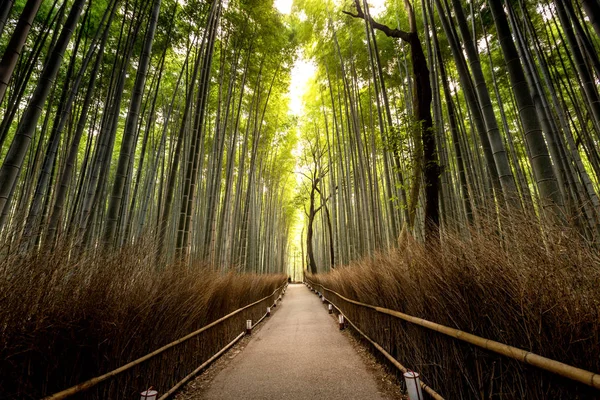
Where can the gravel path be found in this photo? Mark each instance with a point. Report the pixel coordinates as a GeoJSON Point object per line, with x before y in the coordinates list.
{"type": "Point", "coordinates": [298, 354]}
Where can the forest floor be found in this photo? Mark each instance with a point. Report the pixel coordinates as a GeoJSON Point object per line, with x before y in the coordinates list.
{"type": "Point", "coordinates": [299, 353]}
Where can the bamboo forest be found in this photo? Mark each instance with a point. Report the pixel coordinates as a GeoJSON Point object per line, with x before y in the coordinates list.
{"type": "Point", "coordinates": [170, 169]}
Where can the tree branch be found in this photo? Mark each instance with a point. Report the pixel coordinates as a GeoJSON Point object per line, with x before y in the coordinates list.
{"type": "Point", "coordinates": [304, 175]}
{"type": "Point", "coordinates": [395, 33]}
{"type": "Point", "coordinates": [323, 199]}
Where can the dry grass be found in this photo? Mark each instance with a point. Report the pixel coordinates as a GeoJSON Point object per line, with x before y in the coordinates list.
{"type": "Point", "coordinates": [65, 320]}
{"type": "Point", "coordinates": [539, 294]}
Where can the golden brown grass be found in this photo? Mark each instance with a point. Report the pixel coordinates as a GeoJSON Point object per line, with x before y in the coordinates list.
{"type": "Point", "coordinates": [64, 320]}
{"type": "Point", "coordinates": [536, 292]}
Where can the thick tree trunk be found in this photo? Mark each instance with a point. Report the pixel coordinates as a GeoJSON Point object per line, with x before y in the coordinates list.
{"type": "Point", "coordinates": [453, 126]}
{"type": "Point", "coordinates": [312, 265]}
{"type": "Point", "coordinates": [422, 111]}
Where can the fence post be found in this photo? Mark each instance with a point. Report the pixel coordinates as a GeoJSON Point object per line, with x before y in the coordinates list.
{"type": "Point", "coordinates": [149, 394]}
{"type": "Point", "coordinates": [413, 385]}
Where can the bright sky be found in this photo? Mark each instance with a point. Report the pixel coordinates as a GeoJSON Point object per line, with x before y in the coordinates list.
{"type": "Point", "coordinates": [303, 69]}
{"type": "Point", "coordinates": [302, 72]}
{"type": "Point", "coordinates": [375, 6]}
{"type": "Point", "coordinates": [284, 6]}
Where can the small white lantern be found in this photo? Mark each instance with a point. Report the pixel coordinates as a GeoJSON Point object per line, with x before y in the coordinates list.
{"type": "Point", "coordinates": [413, 385]}
{"type": "Point", "coordinates": [149, 394]}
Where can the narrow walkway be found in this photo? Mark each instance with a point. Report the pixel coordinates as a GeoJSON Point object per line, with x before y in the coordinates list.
{"type": "Point", "coordinates": [298, 354]}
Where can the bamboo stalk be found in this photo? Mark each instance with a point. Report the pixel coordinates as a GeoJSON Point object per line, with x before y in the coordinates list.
{"type": "Point", "coordinates": [547, 364]}
{"type": "Point", "coordinates": [94, 381]}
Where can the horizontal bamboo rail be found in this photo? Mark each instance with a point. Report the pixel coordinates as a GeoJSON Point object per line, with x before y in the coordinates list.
{"type": "Point", "coordinates": [208, 362]}
{"type": "Point", "coordinates": [527, 357]}
{"type": "Point", "coordinates": [201, 367]}
{"type": "Point", "coordinates": [387, 355]}
{"type": "Point", "coordinates": [94, 381]}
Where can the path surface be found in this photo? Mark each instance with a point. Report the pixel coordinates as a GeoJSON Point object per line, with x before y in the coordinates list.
{"type": "Point", "coordinates": [298, 354]}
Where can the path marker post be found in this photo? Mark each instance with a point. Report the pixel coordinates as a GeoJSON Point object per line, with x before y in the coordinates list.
{"type": "Point", "coordinates": [330, 308]}
{"type": "Point", "coordinates": [149, 394]}
{"type": "Point", "coordinates": [341, 321]}
{"type": "Point", "coordinates": [268, 311]}
{"type": "Point", "coordinates": [248, 327]}
{"type": "Point", "coordinates": [413, 385]}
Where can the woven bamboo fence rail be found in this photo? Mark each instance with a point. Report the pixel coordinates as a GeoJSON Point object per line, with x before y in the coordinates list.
{"type": "Point", "coordinates": [567, 371]}
{"type": "Point", "coordinates": [387, 355]}
{"type": "Point", "coordinates": [95, 381]}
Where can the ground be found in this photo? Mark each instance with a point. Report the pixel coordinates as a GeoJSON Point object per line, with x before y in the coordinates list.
{"type": "Point", "coordinates": [298, 353]}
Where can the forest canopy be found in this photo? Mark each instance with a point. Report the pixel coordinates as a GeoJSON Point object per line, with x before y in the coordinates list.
{"type": "Point", "coordinates": [164, 162]}
{"type": "Point", "coordinates": [125, 119]}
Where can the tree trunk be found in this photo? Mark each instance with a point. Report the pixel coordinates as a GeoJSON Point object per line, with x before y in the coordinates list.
{"type": "Point", "coordinates": [540, 159]}
{"type": "Point", "coordinates": [129, 135]}
{"type": "Point", "coordinates": [18, 149]}
{"type": "Point", "coordinates": [422, 110]}
{"type": "Point", "coordinates": [17, 41]}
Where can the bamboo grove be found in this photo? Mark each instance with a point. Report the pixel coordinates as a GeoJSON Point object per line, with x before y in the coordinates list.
{"type": "Point", "coordinates": [128, 119]}
{"type": "Point", "coordinates": [436, 115]}
{"type": "Point", "coordinates": [122, 120]}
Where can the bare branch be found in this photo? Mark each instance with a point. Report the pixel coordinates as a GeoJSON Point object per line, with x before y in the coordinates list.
{"type": "Point", "coordinates": [395, 33]}
{"type": "Point", "coordinates": [323, 199]}
{"type": "Point", "coordinates": [352, 15]}
{"type": "Point", "coordinates": [304, 175]}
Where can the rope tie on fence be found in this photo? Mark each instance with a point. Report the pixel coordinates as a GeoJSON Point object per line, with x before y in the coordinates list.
{"type": "Point", "coordinates": [567, 371]}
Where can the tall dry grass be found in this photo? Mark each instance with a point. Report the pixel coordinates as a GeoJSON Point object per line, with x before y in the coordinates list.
{"type": "Point", "coordinates": [539, 292]}
{"type": "Point", "coordinates": [65, 320]}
